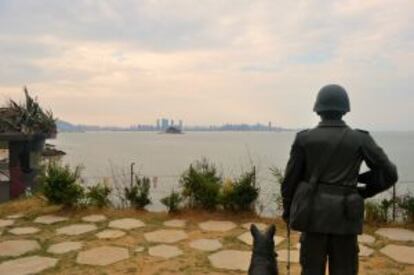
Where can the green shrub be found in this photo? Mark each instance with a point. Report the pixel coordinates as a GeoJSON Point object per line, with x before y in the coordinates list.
{"type": "Point", "coordinates": [279, 178]}
{"type": "Point", "coordinates": [60, 184]}
{"type": "Point", "coordinates": [172, 201]}
{"type": "Point", "coordinates": [406, 204]}
{"type": "Point", "coordinates": [201, 185]}
{"type": "Point", "coordinates": [98, 195]}
{"type": "Point", "coordinates": [240, 194]}
{"type": "Point", "coordinates": [377, 212]}
{"type": "Point", "coordinates": [138, 193]}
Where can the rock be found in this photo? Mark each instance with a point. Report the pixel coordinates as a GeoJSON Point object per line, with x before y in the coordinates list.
{"type": "Point", "coordinates": [248, 239]}
{"type": "Point", "coordinates": [94, 218]}
{"type": "Point", "coordinates": [50, 219]}
{"type": "Point", "coordinates": [64, 247]}
{"type": "Point", "coordinates": [76, 229]}
{"type": "Point", "coordinates": [218, 226]}
{"type": "Point", "coordinates": [175, 223]}
{"type": "Point", "coordinates": [366, 239]}
{"type": "Point", "coordinates": [4, 223]}
{"type": "Point", "coordinates": [399, 253]}
{"type": "Point", "coordinates": [17, 247]}
{"type": "Point", "coordinates": [165, 236]}
{"type": "Point", "coordinates": [231, 259]}
{"type": "Point", "coordinates": [283, 255]}
{"type": "Point", "coordinates": [206, 244]}
{"type": "Point", "coordinates": [127, 223]}
{"type": "Point", "coordinates": [260, 226]}
{"type": "Point", "coordinates": [165, 251]}
{"type": "Point", "coordinates": [24, 230]}
{"type": "Point", "coordinates": [396, 234]}
{"type": "Point", "coordinates": [365, 251]}
{"type": "Point", "coordinates": [27, 265]}
{"type": "Point", "coordinates": [110, 234]}
{"type": "Point", "coordinates": [102, 256]}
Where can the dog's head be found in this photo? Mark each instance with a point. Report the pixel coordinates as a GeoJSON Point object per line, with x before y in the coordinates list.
{"type": "Point", "coordinates": [263, 242]}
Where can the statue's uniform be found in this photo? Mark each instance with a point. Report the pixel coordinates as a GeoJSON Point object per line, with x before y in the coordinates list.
{"type": "Point", "coordinates": [331, 232]}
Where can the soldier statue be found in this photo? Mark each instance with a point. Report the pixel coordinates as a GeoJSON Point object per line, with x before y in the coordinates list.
{"type": "Point", "coordinates": [328, 158]}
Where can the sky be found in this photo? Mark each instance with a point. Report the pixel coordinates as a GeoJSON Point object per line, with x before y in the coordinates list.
{"type": "Point", "coordinates": [116, 62]}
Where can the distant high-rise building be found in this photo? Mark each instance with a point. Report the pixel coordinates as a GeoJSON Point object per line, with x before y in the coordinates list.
{"type": "Point", "coordinates": [270, 125]}
{"type": "Point", "coordinates": [158, 124]}
{"type": "Point", "coordinates": [172, 122]}
{"type": "Point", "coordinates": [181, 124]}
{"type": "Point", "coordinates": [164, 123]}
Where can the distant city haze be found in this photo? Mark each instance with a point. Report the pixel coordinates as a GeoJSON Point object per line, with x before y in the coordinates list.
{"type": "Point", "coordinates": [123, 63]}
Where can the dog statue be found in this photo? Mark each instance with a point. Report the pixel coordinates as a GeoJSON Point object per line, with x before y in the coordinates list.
{"type": "Point", "coordinates": [263, 261]}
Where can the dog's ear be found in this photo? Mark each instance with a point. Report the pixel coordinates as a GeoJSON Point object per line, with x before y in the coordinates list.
{"type": "Point", "coordinates": [271, 231]}
{"type": "Point", "coordinates": [254, 230]}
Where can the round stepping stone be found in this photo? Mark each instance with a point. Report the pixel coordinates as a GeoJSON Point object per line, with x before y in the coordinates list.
{"type": "Point", "coordinates": [64, 247]}
{"type": "Point", "coordinates": [76, 229]}
{"type": "Point", "coordinates": [110, 234]}
{"type": "Point", "coordinates": [175, 223]}
{"type": "Point", "coordinates": [282, 255]}
{"type": "Point", "coordinates": [126, 224]}
{"type": "Point", "coordinates": [94, 218]}
{"type": "Point", "coordinates": [139, 249]}
{"type": "Point", "coordinates": [248, 239]}
{"type": "Point", "coordinates": [15, 216]}
{"type": "Point", "coordinates": [165, 251]}
{"type": "Point", "coordinates": [260, 226]}
{"type": "Point", "coordinates": [17, 247]}
{"type": "Point", "coordinates": [4, 223]}
{"type": "Point", "coordinates": [206, 244]}
{"type": "Point", "coordinates": [366, 239]}
{"type": "Point", "coordinates": [365, 251]}
{"type": "Point", "coordinates": [102, 256]}
{"type": "Point", "coordinates": [396, 234]}
{"type": "Point", "coordinates": [50, 219]}
{"type": "Point", "coordinates": [166, 236]}
{"type": "Point", "coordinates": [231, 259]}
{"type": "Point", "coordinates": [399, 253]}
{"type": "Point", "coordinates": [27, 265]}
{"type": "Point", "coordinates": [24, 230]}
{"type": "Point", "coordinates": [218, 226]}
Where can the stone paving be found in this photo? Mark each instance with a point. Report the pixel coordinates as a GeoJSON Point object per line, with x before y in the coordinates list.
{"type": "Point", "coordinates": [217, 226]}
{"type": "Point", "coordinates": [215, 249]}
{"type": "Point", "coordinates": [64, 247]}
{"type": "Point", "coordinates": [126, 224]}
{"type": "Point", "coordinates": [396, 234]}
{"type": "Point", "coordinates": [50, 219]}
{"type": "Point", "coordinates": [165, 236]}
{"type": "Point", "coordinates": [165, 251]}
{"type": "Point", "coordinates": [102, 256]}
{"type": "Point", "coordinates": [27, 265]}
{"type": "Point", "coordinates": [76, 229]}
{"type": "Point", "coordinates": [24, 230]}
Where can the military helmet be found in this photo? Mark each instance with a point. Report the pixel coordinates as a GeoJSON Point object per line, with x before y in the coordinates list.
{"type": "Point", "coordinates": [332, 98]}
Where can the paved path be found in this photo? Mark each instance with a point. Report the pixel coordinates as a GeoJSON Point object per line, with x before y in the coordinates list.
{"type": "Point", "coordinates": [39, 244]}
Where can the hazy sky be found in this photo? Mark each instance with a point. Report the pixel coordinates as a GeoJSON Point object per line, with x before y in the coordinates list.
{"type": "Point", "coordinates": [210, 62]}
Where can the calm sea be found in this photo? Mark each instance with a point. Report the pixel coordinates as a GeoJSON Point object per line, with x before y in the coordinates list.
{"type": "Point", "coordinates": [164, 157]}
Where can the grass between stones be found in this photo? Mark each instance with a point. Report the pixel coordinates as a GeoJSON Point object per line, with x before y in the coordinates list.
{"type": "Point", "coordinates": [191, 262]}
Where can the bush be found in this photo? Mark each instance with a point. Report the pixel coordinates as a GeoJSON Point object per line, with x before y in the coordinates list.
{"type": "Point", "coordinates": [138, 193]}
{"type": "Point", "coordinates": [172, 202]}
{"type": "Point", "coordinates": [279, 177]}
{"type": "Point", "coordinates": [60, 184]}
{"type": "Point", "coordinates": [406, 204]}
{"type": "Point", "coordinates": [201, 185]}
{"type": "Point", "coordinates": [240, 194]}
{"type": "Point", "coordinates": [377, 212]}
{"type": "Point", "coordinates": [98, 195]}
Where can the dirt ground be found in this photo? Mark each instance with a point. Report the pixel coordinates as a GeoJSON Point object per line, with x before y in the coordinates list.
{"type": "Point", "coordinates": [191, 262]}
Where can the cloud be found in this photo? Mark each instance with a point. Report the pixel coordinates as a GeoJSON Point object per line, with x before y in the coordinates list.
{"type": "Point", "coordinates": [124, 62]}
